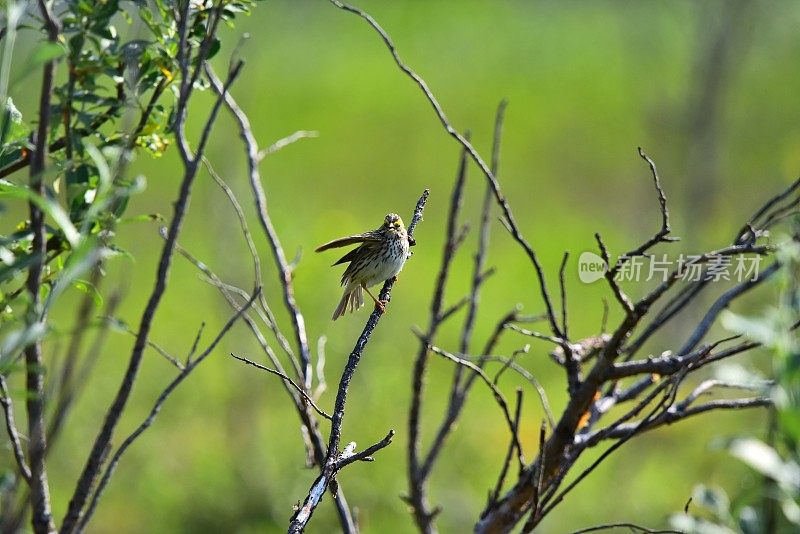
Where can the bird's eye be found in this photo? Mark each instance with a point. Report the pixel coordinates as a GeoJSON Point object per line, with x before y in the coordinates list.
{"type": "Point", "coordinates": [397, 225]}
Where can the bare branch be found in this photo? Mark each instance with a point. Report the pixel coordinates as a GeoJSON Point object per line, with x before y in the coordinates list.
{"type": "Point", "coordinates": [721, 303]}
{"type": "Point", "coordinates": [631, 526]}
{"type": "Point", "coordinates": [498, 395]}
{"type": "Point", "coordinates": [13, 434]}
{"type": "Point", "coordinates": [94, 462]}
{"type": "Point", "coordinates": [152, 344]}
{"type": "Point", "coordinates": [511, 446]}
{"type": "Point", "coordinates": [509, 363]}
{"type": "Point", "coordinates": [41, 520]}
{"type": "Point", "coordinates": [366, 454]}
{"type": "Point", "coordinates": [286, 141]}
{"type": "Point", "coordinates": [465, 143]}
{"type": "Point", "coordinates": [330, 466]}
{"type": "Point", "coordinates": [264, 311]}
{"type": "Point", "coordinates": [417, 497]}
{"type": "Point", "coordinates": [162, 398]}
{"type": "Point", "coordinates": [662, 235]}
{"type": "Point", "coordinates": [285, 274]}
{"type": "Point", "coordinates": [287, 379]}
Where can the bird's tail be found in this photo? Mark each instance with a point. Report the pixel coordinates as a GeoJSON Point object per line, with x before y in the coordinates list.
{"type": "Point", "coordinates": [353, 299]}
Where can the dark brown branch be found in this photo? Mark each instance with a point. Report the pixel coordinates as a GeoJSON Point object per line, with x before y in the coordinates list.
{"type": "Point", "coordinates": [508, 216]}
{"type": "Point", "coordinates": [417, 497]}
{"type": "Point", "coordinates": [722, 303]}
{"type": "Point", "coordinates": [662, 236]}
{"type": "Point", "coordinates": [41, 520]}
{"type": "Point", "coordinates": [671, 309]}
{"type": "Point", "coordinates": [666, 364]}
{"type": "Point", "coordinates": [366, 454]}
{"type": "Point", "coordinates": [610, 277]}
{"type": "Point", "coordinates": [498, 395]}
{"type": "Point", "coordinates": [748, 231]}
{"type": "Point", "coordinates": [669, 417]}
{"type": "Point", "coordinates": [94, 462]}
{"type": "Point", "coordinates": [330, 466]}
{"type": "Point", "coordinates": [666, 400]}
{"type": "Point", "coordinates": [13, 434]}
{"type": "Point", "coordinates": [287, 379]}
{"type": "Point", "coordinates": [571, 362]}
{"type": "Point", "coordinates": [285, 272]}
{"type": "Point", "coordinates": [509, 454]}
{"type": "Point", "coordinates": [630, 526]}
{"type": "Point", "coordinates": [517, 501]}
{"type": "Point", "coordinates": [162, 398]}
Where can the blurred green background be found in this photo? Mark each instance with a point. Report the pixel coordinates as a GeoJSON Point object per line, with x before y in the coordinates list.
{"type": "Point", "coordinates": [708, 89]}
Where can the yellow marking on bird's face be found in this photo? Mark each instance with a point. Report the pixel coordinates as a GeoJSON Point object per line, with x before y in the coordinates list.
{"type": "Point", "coordinates": [393, 221]}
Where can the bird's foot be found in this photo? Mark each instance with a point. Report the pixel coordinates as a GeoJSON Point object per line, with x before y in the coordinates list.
{"type": "Point", "coordinates": [381, 305]}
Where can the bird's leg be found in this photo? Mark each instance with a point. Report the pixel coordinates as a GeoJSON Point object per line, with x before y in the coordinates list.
{"type": "Point", "coordinates": [378, 303]}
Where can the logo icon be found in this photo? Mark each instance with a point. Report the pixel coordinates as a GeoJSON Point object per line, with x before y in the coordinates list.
{"type": "Point", "coordinates": [591, 267]}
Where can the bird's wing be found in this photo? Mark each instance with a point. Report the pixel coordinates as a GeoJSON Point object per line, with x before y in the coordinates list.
{"type": "Point", "coordinates": [350, 256]}
{"type": "Point", "coordinates": [350, 240]}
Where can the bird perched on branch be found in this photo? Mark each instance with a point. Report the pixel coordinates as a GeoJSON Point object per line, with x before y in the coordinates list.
{"type": "Point", "coordinates": [380, 256]}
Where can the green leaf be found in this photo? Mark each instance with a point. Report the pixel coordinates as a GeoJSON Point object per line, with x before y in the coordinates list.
{"type": "Point", "coordinates": [766, 461]}
{"type": "Point", "coordinates": [147, 217]}
{"type": "Point", "coordinates": [749, 522]}
{"type": "Point", "coordinates": [12, 128]}
{"type": "Point", "coordinates": [44, 52]}
{"type": "Point", "coordinates": [83, 258]}
{"type": "Point", "coordinates": [791, 510]}
{"type": "Point", "coordinates": [18, 339]}
{"type": "Point", "coordinates": [10, 154]}
{"type": "Point", "coordinates": [90, 289]}
{"type": "Point", "coordinates": [214, 48]}
{"type": "Point", "coordinates": [8, 271]}
{"type": "Point", "coordinates": [50, 207]}
{"type": "Point", "coordinates": [757, 329]}
{"type": "Point", "coordinates": [713, 499]}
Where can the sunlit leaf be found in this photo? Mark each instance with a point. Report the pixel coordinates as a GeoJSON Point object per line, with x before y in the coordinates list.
{"type": "Point", "coordinates": [90, 289]}
{"type": "Point", "coordinates": [713, 499]}
{"type": "Point", "coordinates": [17, 340]}
{"type": "Point", "coordinates": [50, 207]}
{"type": "Point", "coordinates": [766, 461]}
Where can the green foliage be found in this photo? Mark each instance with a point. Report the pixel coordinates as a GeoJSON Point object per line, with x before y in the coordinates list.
{"type": "Point", "coordinates": [777, 505]}
{"type": "Point", "coordinates": [111, 104]}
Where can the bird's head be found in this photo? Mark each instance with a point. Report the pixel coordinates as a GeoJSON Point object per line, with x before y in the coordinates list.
{"type": "Point", "coordinates": [394, 224]}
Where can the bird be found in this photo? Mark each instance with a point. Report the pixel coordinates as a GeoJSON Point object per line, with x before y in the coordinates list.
{"type": "Point", "coordinates": [380, 256]}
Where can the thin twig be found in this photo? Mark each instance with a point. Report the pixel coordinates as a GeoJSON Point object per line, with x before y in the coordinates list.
{"type": "Point", "coordinates": [96, 457]}
{"type": "Point", "coordinates": [498, 395]}
{"type": "Point", "coordinates": [303, 514]}
{"type": "Point", "coordinates": [630, 526]}
{"type": "Point", "coordinates": [162, 398]}
{"type": "Point", "coordinates": [417, 497]}
{"type": "Point", "coordinates": [508, 216]}
{"type": "Point", "coordinates": [41, 516]}
{"type": "Point", "coordinates": [289, 380]}
{"type": "Point", "coordinates": [511, 446]}
{"type": "Point", "coordinates": [13, 434]}
{"type": "Point", "coordinates": [286, 141]}
{"type": "Point", "coordinates": [285, 273]}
